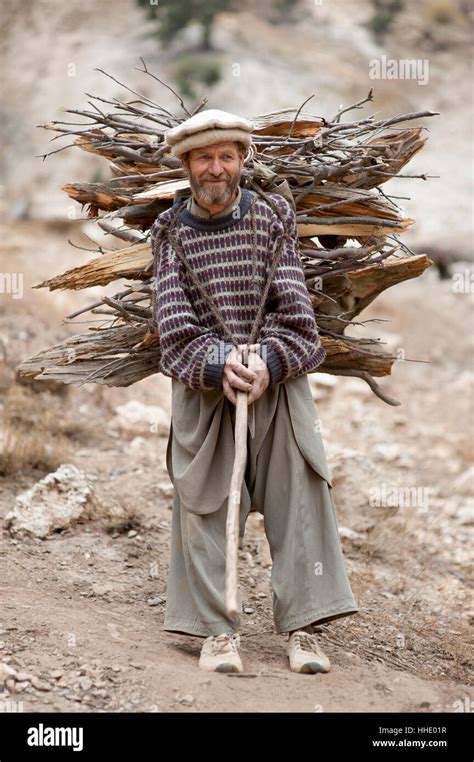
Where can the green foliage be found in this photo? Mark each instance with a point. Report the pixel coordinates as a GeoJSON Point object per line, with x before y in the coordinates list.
{"type": "Point", "coordinates": [283, 12]}
{"type": "Point", "coordinates": [384, 15]}
{"type": "Point", "coordinates": [193, 69]}
{"type": "Point", "coordinates": [285, 6]}
{"type": "Point", "coordinates": [175, 15]}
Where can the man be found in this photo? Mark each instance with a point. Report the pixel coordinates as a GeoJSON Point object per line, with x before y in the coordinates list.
{"type": "Point", "coordinates": [233, 312]}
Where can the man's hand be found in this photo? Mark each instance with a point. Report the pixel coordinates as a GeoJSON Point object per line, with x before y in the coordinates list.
{"type": "Point", "coordinates": [262, 376]}
{"type": "Point", "coordinates": [253, 379]}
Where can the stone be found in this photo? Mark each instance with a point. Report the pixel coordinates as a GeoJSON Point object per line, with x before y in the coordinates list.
{"type": "Point", "coordinates": [55, 502]}
{"type": "Point", "coordinates": [155, 601]}
{"type": "Point", "coordinates": [137, 417]}
{"type": "Point", "coordinates": [465, 515]}
{"type": "Point", "coordinates": [40, 685]}
{"type": "Point", "coordinates": [345, 533]}
{"type": "Point", "coordinates": [166, 489]}
{"type": "Point", "coordinates": [6, 672]}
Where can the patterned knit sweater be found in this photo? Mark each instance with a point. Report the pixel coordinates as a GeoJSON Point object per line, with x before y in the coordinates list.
{"type": "Point", "coordinates": [219, 251]}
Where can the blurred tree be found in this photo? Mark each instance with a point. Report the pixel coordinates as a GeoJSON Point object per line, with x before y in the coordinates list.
{"type": "Point", "coordinates": [284, 7]}
{"type": "Point", "coordinates": [174, 15]}
{"type": "Point", "coordinates": [384, 15]}
{"type": "Point", "coordinates": [192, 69]}
{"type": "Point", "coordinates": [283, 11]}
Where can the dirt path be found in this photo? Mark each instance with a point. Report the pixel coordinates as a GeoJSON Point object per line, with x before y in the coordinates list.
{"type": "Point", "coordinates": [119, 648]}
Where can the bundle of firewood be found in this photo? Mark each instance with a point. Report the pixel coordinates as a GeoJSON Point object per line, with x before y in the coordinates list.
{"type": "Point", "coordinates": [347, 226]}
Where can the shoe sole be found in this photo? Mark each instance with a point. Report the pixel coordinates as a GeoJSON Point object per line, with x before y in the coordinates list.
{"type": "Point", "coordinates": [227, 668]}
{"type": "Point", "coordinates": [312, 668]}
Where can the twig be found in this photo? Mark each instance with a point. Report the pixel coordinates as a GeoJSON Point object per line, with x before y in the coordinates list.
{"type": "Point", "coordinates": [145, 71]}
{"type": "Point", "coordinates": [359, 104]}
{"type": "Point", "coordinates": [377, 390]}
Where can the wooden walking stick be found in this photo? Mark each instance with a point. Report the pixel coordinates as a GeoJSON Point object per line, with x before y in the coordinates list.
{"type": "Point", "coordinates": [233, 504]}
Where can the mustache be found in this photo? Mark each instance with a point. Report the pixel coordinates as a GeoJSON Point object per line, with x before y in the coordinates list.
{"type": "Point", "coordinates": [214, 195]}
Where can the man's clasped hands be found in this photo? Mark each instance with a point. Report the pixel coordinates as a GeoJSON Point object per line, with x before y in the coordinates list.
{"type": "Point", "coordinates": [253, 379]}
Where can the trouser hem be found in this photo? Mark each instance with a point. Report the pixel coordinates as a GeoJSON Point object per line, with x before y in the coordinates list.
{"type": "Point", "coordinates": [316, 617]}
{"type": "Point", "coordinates": [195, 627]}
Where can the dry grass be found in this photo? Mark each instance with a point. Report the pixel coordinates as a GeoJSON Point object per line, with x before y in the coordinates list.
{"type": "Point", "coordinates": [443, 12]}
{"type": "Point", "coordinates": [23, 450]}
{"type": "Point", "coordinates": [123, 520]}
{"type": "Point", "coordinates": [39, 430]}
{"type": "Point", "coordinates": [402, 590]}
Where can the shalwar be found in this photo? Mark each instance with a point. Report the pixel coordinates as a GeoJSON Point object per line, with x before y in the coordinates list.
{"type": "Point", "coordinates": [286, 480]}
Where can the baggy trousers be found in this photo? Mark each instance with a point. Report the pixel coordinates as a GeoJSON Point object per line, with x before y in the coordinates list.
{"type": "Point", "coordinates": [286, 480]}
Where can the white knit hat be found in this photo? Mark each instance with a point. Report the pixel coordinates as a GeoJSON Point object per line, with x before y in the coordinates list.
{"type": "Point", "coordinates": [207, 127]}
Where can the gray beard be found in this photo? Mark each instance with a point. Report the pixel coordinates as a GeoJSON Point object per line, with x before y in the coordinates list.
{"type": "Point", "coordinates": [214, 196]}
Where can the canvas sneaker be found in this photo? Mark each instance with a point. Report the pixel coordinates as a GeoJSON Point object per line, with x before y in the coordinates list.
{"type": "Point", "coordinates": [305, 654]}
{"type": "Point", "coordinates": [219, 653]}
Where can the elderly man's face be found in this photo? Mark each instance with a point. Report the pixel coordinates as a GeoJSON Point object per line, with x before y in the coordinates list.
{"type": "Point", "coordinates": [214, 172]}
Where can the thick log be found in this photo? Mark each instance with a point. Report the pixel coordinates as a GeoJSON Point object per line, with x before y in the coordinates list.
{"type": "Point", "coordinates": [352, 228]}
{"type": "Point", "coordinates": [345, 295]}
{"type": "Point", "coordinates": [132, 262]}
{"type": "Point", "coordinates": [114, 356]}
{"type": "Point", "coordinates": [99, 195]}
{"type": "Point", "coordinates": [123, 355]}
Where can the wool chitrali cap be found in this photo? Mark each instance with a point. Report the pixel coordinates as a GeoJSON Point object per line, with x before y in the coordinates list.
{"type": "Point", "coordinates": [207, 127]}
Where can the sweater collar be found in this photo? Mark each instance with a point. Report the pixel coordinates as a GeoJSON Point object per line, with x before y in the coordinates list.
{"type": "Point", "coordinates": [218, 222]}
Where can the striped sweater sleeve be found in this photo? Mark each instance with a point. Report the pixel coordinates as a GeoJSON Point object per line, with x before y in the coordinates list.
{"type": "Point", "coordinates": [190, 352]}
{"type": "Point", "coordinates": [291, 344]}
